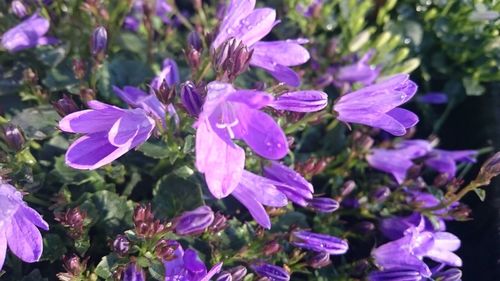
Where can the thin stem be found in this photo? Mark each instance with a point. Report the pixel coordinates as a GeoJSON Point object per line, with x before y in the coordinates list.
{"type": "Point", "coordinates": [302, 122]}
{"type": "Point", "coordinates": [455, 198]}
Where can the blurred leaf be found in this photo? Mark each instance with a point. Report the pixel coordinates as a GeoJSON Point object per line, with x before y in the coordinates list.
{"type": "Point", "coordinates": [61, 78]}
{"type": "Point", "coordinates": [37, 122]}
{"type": "Point", "coordinates": [128, 72]}
{"type": "Point", "coordinates": [472, 87]}
{"type": "Point", "coordinates": [156, 150]}
{"type": "Point", "coordinates": [174, 195]}
{"type": "Point", "coordinates": [481, 193]}
{"type": "Point", "coordinates": [292, 218]}
{"type": "Point", "coordinates": [157, 270]}
{"type": "Point", "coordinates": [34, 275]}
{"type": "Point", "coordinates": [53, 247]}
{"type": "Point", "coordinates": [105, 267]}
{"type": "Point", "coordinates": [52, 56]}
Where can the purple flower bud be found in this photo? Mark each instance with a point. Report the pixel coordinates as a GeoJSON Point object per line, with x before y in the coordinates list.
{"type": "Point", "coordinates": [238, 272]}
{"type": "Point", "coordinates": [133, 273]}
{"type": "Point", "coordinates": [224, 276]}
{"type": "Point", "coordinates": [13, 137]}
{"type": "Point", "coordinates": [395, 275]}
{"type": "Point", "coordinates": [319, 242]}
{"type": "Point", "coordinates": [272, 272]}
{"type": "Point", "coordinates": [381, 193]}
{"type": "Point", "coordinates": [166, 249]}
{"type": "Point", "coordinates": [433, 98]}
{"type": "Point", "coordinates": [301, 101]}
{"type": "Point", "coordinates": [347, 188]}
{"type": "Point", "coordinates": [319, 260]}
{"type": "Point", "coordinates": [292, 184]}
{"type": "Point", "coordinates": [191, 99]}
{"type": "Point", "coordinates": [18, 8]}
{"type": "Point", "coordinates": [194, 41]}
{"type": "Point", "coordinates": [121, 245]}
{"type": "Point", "coordinates": [99, 42]}
{"type": "Point", "coordinates": [323, 204]}
{"type": "Point", "coordinates": [452, 274]}
{"type": "Point", "coordinates": [195, 221]}
{"type": "Point", "coordinates": [231, 59]}
{"type": "Point", "coordinates": [193, 57]}
{"type": "Point", "coordinates": [65, 106]}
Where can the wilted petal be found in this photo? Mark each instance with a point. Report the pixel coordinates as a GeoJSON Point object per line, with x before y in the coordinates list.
{"type": "Point", "coordinates": [24, 239]}
{"type": "Point", "coordinates": [254, 207]}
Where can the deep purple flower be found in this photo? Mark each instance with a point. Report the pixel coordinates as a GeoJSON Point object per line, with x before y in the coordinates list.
{"type": "Point", "coordinates": [244, 23]}
{"type": "Point", "coordinates": [186, 266]}
{"type": "Point", "coordinates": [169, 73]}
{"type": "Point", "coordinates": [230, 114]}
{"type": "Point", "coordinates": [319, 242]}
{"type": "Point", "coordinates": [395, 275]}
{"type": "Point", "coordinates": [296, 188]}
{"type": "Point", "coordinates": [191, 98]}
{"type": "Point", "coordinates": [273, 272]}
{"type": "Point", "coordinates": [13, 136]}
{"type": "Point", "coordinates": [301, 101]}
{"type": "Point", "coordinates": [18, 226]}
{"type": "Point", "coordinates": [133, 273]}
{"type": "Point", "coordinates": [397, 161]}
{"type": "Point", "coordinates": [395, 227]}
{"type": "Point", "coordinates": [359, 72]}
{"type": "Point", "coordinates": [254, 192]}
{"type": "Point", "coordinates": [377, 105]}
{"type": "Point", "coordinates": [137, 98]}
{"type": "Point", "coordinates": [433, 98]}
{"type": "Point", "coordinates": [28, 34]}
{"type": "Point", "coordinates": [408, 251]}
{"type": "Point", "coordinates": [195, 221]}
{"type": "Point", "coordinates": [109, 132]}
{"type": "Point", "coordinates": [444, 161]}
{"type": "Point", "coordinates": [18, 8]}
{"type": "Point", "coordinates": [323, 204]}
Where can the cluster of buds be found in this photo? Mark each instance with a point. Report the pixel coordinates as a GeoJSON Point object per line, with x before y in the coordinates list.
{"type": "Point", "coordinates": [145, 223]}
{"type": "Point", "coordinates": [231, 59]}
{"type": "Point", "coordinates": [65, 106]}
{"type": "Point", "coordinates": [362, 142]}
{"type": "Point", "coordinates": [489, 170]}
{"type": "Point", "coordinates": [313, 166]}
{"type": "Point", "coordinates": [74, 267]}
{"type": "Point", "coordinates": [74, 220]}
{"type": "Point", "coordinates": [165, 93]}
{"type": "Point", "coordinates": [13, 136]}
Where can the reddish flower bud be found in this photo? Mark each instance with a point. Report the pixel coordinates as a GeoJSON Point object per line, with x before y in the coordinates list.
{"type": "Point", "coordinates": [13, 137]}
{"type": "Point", "coordinates": [65, 106]}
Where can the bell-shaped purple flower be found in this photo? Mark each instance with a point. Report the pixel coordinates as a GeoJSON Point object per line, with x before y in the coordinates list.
{"type": "Point", "coordinates": [28, 34]}
{"type": "Point", "coordinates": [254, 192]}
{"type": "Point", "coordinates": [396, 275]}
{"type": "Point", "coordinates": [397, 161]}
{"type": "Point", "coordinates": [133, 273]}
{"type": "Point", "coordinates": [230, 114]}
{"type": "Point", "coordinates": [18, 226]}
{"type": "Point", "coordinates": [109, 132]}
{"type": "Point", "coordinates": [169, 73]}
{"type": "Point", "coordinates": [272, 272]}
{"type": "Point", "coordinates": [191, 99]}
{"type": "Point", "coordinates": [301, 101]}
{"type": "Point", "coordinates": [323, 204]}
{"type": "Point", "coordinates": [249, 25]}
{"type": "Point", "coordinates": [319, 242]}
{"type": "Point", "coordinates": [187, 266]}
{"type": "Point", "coordinates": [444, 161]}
{"type": "Point", "coordinates": [359, 72]}
{"type": "Point", "coordinates": [395, 227]}
{"type": "Point", "coordinates": [377, 105]}
{"type": "Point", "coordinates": [137, 98]}
{"type": "Point", "coordinates": [296, 188]}
{"type": "Point", "coordinates": [195, 221]}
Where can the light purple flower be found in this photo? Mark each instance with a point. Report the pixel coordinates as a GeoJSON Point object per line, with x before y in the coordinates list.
{"type": "Point", "coordinates": [433, 98]}
{"type": "Point", "coordinates": [249, 25]}
{"type": "Point", "coordinates": [137, 98]}
{"type": "Point", "coordinates": [134, 18]}
{"type": "Point", "coordinates": [273, 272]}
{"type": "Point", "coordinates": [395, 227]}
{"type": "Point", "coordinates": [169, 73]}
{"type": "Point", "coordinates": [296, 188]}
{"type": "Point", "coordinates": [444, 161]}
{"type": "Point", "coordinates": [377, 105]}
{"type": "Point", "coordinates": [397, 161]}
{"type": "Point", "coordinates": [301, 101]}
{"type": "Point", "coordinates": [18, 8]}
{"type": "Point", "coordinates": [230, 114]}
{"type": "Point", "coordinates": [319, 242]}
{"type": "Point", "coordinates": [186, 266]}
{"type": "Point", "coordinates": [359, 72]}
{"type": "Point", "coordinates": [195, 221]}
{"type": "Point", "coordinates": [133, 272]}
{"type": "Point", "coordinates": [18, 226]}
{"type": "Point", "coordinates": [254, 191]}
{"type": "Point", "coordinates": [108, 133]}
{"type": "Point", "coordinates": [28, 34]}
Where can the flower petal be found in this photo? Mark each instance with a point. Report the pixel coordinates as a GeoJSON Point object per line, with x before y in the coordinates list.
{"type": "Point", "coordinates": [34, 217]}
{"type": "Point", "coordinates": [90, 121]}
{"type": "Point", "coordinates": [252, 98]}
{"type": "Point", "coordinates": [446, 241]}
{"type": "Point", "coordinates": [407, 118]}
{"type": "Point", "coordinates": [253, 27]}
{"type": "Point", "coordinates": [390, 162]}
{"type": "Point", "coordinates": [280, 72]}
{"type": "Point", "coordinates": [262, 189]}
{"type": "Point", "coordinates": [301, 101]}
{"type": "Point", "coordinates": [280, 52]}
{"type": "Point", "coordinates": [24, 239]}
{"type": "Point", "coordinates": [254, 207]}
{"type": "Point", "coordinates": [214, 270]}
{"type": "Point", "coordinates": [131, 95]}
{"type": "Point", "coordinates": [123, 132]}
{"type": "Point", "coordinates": [236, 11]}
{"type": "Point", "coordinates": [445, 257]}
{"type": "Point", "coordinates": [3, 247]}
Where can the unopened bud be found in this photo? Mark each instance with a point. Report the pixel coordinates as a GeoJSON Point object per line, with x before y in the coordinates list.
{"type": "Point", "coordinates": [65, 106]}
{"type": "Point", "coordinates": [74, 220]}
{"type": "Point", "coordinates": [490, 169]}
{"type": "Point", "coordinates": [74, 267]}
{"type": "Point", "coordinates": [121, 245]}
{"type": "Point", "coordinates": [224, 276]}
{"type": "Point", "coordinates": [231, 59]}
{"type": "Point", "coordinates": [323, 204]}
{"type": "Point", "coordinates": [13, 137]}
{"type": "Point", "coordinates": [271, 248]}
{"type": "Point", "coordinates": [381, 193]}
{"type": "Point", "coordinates": [191, 98]}
{"type": "Point", "coordinates": [193, 57]}
{"type": "Point", "coordinates": [195, 221]}
{"type": "Point", "coordinates": [165, 249]}
{"type": "Point", "coordinates": [319, 260]}
{"type": "Point", "coordinates": [347, 188]}
{"type": "Point", "coordinates": [99, 42]}
{"type": "Point", "coordinates": [238, 272]}
{"type": "Point", "coordinates": [194, 41]}
{"type": "Point", "coordinates": [30, 77]}
{"type": "Point", "coordinates": [165, 93]}
{"type": "Point", "coordinates": [219, 224]}
{"type": "Point", "coordinates": [18, 8]}
{"type": "Point", "coordinates": [452, 274]}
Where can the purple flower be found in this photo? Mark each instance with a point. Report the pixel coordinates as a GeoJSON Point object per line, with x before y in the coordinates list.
{"type": "Point", "coordinates": [28, 34]}
{"type": "Point", "coordinates": [359, 72]}
{"type": "Point", "coordinates": [109, 132]}
{"type": "Point", "coordinates": [18, 226]}
{"type": "Point", "coordinates": [452, 274]}
{"type": "Point", "coordinates": [137, 98]}
{"type": "Point", "coordinates": [323, 204]}
{"type": "Point", "coordinates": [377, 105]}
{"type": "Point", "coordinates": [444, 161]}
{"type": "Point", "coordinates": [301, 101]}
{"type": "Point", "coordinates": [254, 192]}
{"type": "Point", "coordinates": [395, 227]}
{"type": "Point", "coordinates": [273, 272]}
{"type": "Point", "coordinates": [191, 99]}
{"type": "Point", "coordinates": [18, 8]}
{"type": "Point", "coordinates": [195, 221]}
{"type": "Point", "coordinates": [309, 10]}
{"type": "Point", "coordinates": [319, 242]}
{"type": "Point", "coordinates": [408, 251]}
{"type": "Point", "coordinates": [186, 266]}
{"type": "Point", "coordinates": [169, 73]}
{"type": "Point", "coordinates": [292, 184]}
{"type": "Point", "coordinates": [433, 98]}
{"type": "Point", "coordinates": [397, 161]}
{"type": "Point", "coordinates": [133, 273]}
{"type": "Point", "coordinates": [230, 114]}
{"type": "Point", "coordinates": [245, 23]}
{"type": "Point", "coordinates": [99, 41]}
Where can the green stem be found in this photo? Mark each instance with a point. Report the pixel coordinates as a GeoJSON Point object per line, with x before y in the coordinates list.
{"type": "Point", "coordinates": [203, 72]}
{"type": "Point", "coordinates": [455, 198]}
{"type": "Point", "coordinates": [302, 122]}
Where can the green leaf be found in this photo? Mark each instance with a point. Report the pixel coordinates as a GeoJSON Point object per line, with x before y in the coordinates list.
{"type": "Point", "coordinates": [128, 72]}
{"type": "Point", "coordinates": [174, 195]}
{"type": "Point", "coordinates": [53, 247]}
{"type": "Point", "coordinates": [61, 78]}
{"type": "Point", "coordinates": [156, 150]}
{"type": "Point", "coordinates": [472, 87]}
{"type": "Point", "coordinates": [52, 56]}
{"type": "Point", "coordinates": [157, 270]}
{"type": "Point", "coordinates": [481, 193]}
{"type": "Point", "coordinates": [37, 122]}
{"type": "Point", "coordinates": [105, 267]}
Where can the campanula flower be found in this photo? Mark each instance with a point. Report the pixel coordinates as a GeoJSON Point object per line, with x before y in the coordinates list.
{"type": "Point", "coordinates": [254, 191]}
{"type": "Point", "coordinates": [395, 227]}
{"type": "Point", "coordinates": [444, 161]}
{"type": "Point", "coordinates": [195, 221]}
{"type": "Point", "coordinates": [133, 20]}
{"type": "Point", "coordinates": [191, 98]}
{"type": "Point", "coordinates": [28, 34]}
{"type": "Point", "coordinates": [377, 105]}
{"type": "Point", "coordinates": [108, 133]}
{"type": "Point", "coordinates": [169, 73]}
{"type": "Point", "coordinates": [296, 188]}
{"type": "Point", "coordinates": [323, 204]}
{"type": "Point", "coordinates": [18, 226]}
{"type": "Point", "coordinates": [359, 72]}
{"type": "Point", "coordinates": [186, 266]}
{"type": "Point", "coordinates": [319, 242]}
{"type": "Point", "coordinates": [301, 101]}
{"type": "Point", "coordinates": [133, 272]}
{"type": "Point", "coordinates": [137, 98]}
{"type": "Point", "coordinates": [395, 275]}
{"type": "Point", "coordinates": [249, 25]}
{"type": "Point", "coordinates": [230, 114]}
{"type": "Point", "coordinates": [272, 272]}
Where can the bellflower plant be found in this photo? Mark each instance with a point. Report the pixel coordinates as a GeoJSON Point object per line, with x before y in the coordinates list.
{"type": "Point", "coordinates": [18, 226]}
{"type": "Point", "coordinates": [359, 72]}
